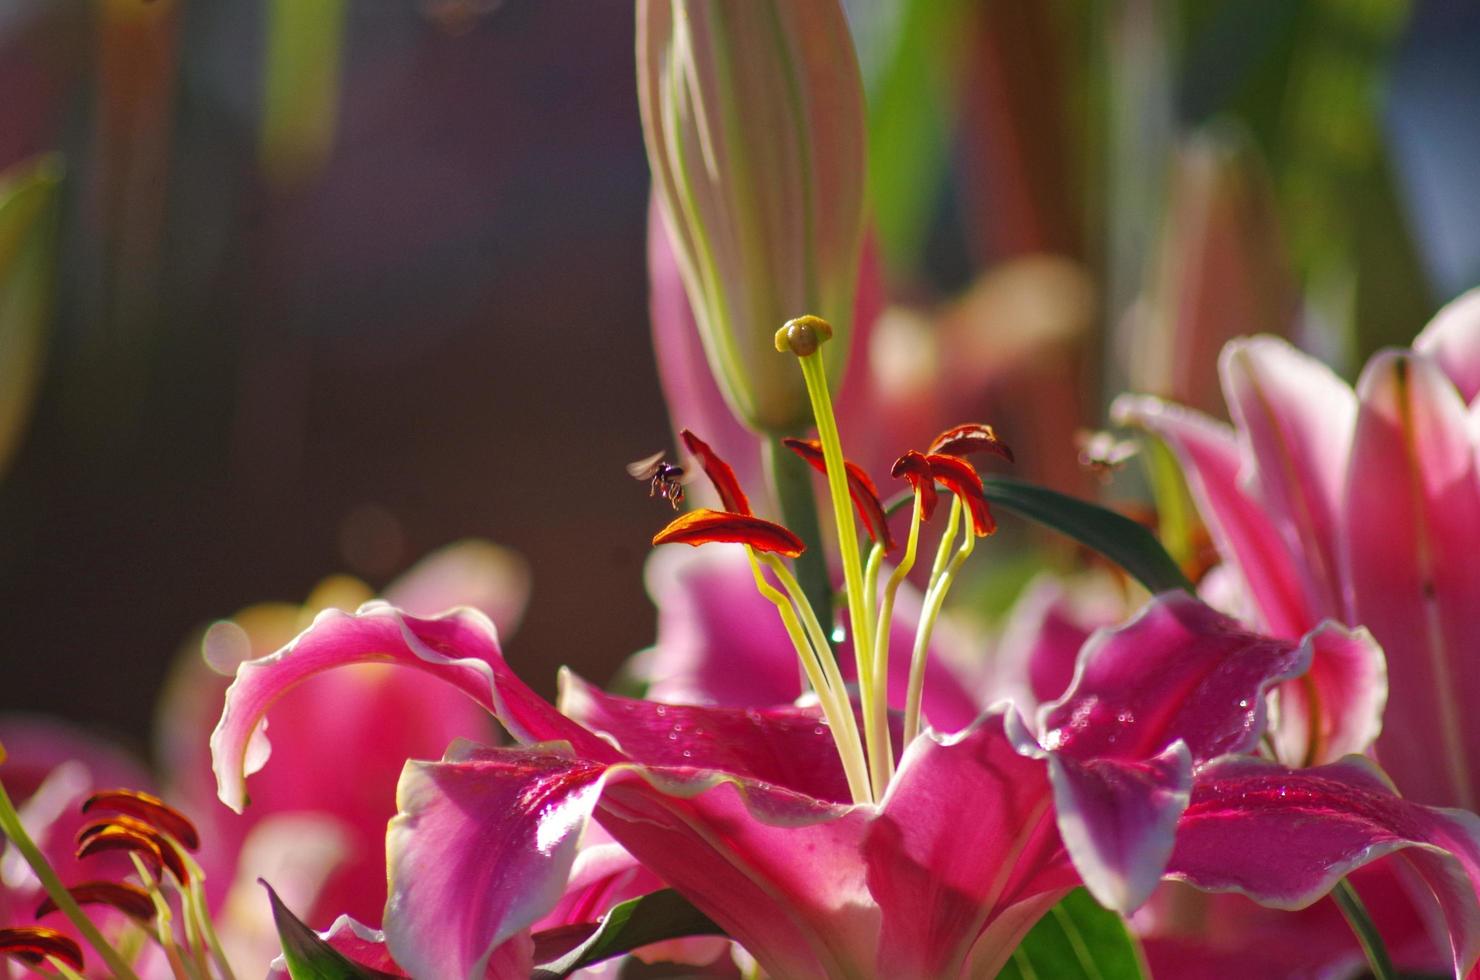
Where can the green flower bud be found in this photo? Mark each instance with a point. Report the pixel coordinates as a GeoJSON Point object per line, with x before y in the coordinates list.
{"type": "Point", "coordinates": [753, 114]}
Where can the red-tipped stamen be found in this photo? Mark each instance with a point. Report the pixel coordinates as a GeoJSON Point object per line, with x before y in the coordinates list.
{"type": "Point", "coordinates": [150, 809]}
{"type": "Point", "coordinates": [961, 478]}
{"type": "Point", "coordinates": [730, 495]}
{"type": "Point", "coordinates": [33, 944]}
{"type": "Point", "coordinates": [167, 851]}
{"type": "Point", "coordinates": [126, 898]}
{"type": "Point", "coordinates": [913, 466]}
{"type": "Point", "coordinates": [860, 488]}
{"type": "Point", "coordinates": [704, 526]}
{"type": "Point", "coordinates": [114, 838]}
{"type": "Point", "coordinates": [972, 437]}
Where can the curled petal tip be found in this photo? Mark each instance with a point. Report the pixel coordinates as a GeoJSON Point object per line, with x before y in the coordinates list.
{"type": "Point", "coordinates": [865, 495]}
{"type": "Point", "coordinates": [971, 437]}
{"type": "Point", "coordinates": [705, 526]}
{"type": "Point", "coordinates": [719, 472]}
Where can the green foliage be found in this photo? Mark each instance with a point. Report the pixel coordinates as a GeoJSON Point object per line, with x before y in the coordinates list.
{"type": "Point", "coordinates": [1077, 940]}
{"type": "Point", "coordinates": [309, 957]}
{"type": "Point", "coordinates": [28, 225]}
{"type": "Point", "coordinates": [652, 918]}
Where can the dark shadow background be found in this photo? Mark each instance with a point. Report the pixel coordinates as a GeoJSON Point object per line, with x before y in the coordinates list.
{"type": "Point", "coordinates": [443, 334]}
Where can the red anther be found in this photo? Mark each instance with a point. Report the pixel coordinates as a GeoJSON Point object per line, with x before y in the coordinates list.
{"type": "Point", "coordinates": [972, 437]}
{"type": "Point", "coordinates": [33, 944]}
{"type": "Point", "coordinates": [150, 809]}
{"type": "Point", "coordinates": [913, 466]}
{"type": "Point", "coordinates": [860, 488]}
{"type": "Point", "coordinates": [168, 852]}
{"type": "Point", "coordinates": [129, 899]}
{"type": "Point", "coordinates": [730, 495]}
{"type": "Point", "coordinates": [961, 478]}
{"type": "Point", "coordinates": [704, 526]}
{"type": "Point", "coordinates": [115, 838]}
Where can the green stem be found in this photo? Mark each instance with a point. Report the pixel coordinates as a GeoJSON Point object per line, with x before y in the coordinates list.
{"type": "Point", "coordinates": [10, 826]}
{"type": "Point", "coordinates": [1351, 906]}
{"type": "Point", "coordinates": [791, 481]}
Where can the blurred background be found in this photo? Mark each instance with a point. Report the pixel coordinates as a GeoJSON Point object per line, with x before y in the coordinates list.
{"type": "Point", "coordinates": [314, 286]}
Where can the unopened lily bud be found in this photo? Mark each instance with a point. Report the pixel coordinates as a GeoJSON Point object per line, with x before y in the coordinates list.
{"type": "Point", "coordinates": [754, 119]}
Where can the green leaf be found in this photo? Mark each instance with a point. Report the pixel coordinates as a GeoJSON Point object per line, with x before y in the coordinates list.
{"type": "Point", "coordinates": [309, 957]}
{"type": "Point", "coordinates": [1113, 535]}
{"type": "Point", "coordinates": [1076, 940]}
{"type": "Point", "coordinates": [28, 226]}
{"type": "Point", "coordinates": [652, 918]}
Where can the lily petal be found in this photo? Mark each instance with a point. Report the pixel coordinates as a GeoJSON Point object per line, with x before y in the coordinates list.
{"type": "Point", "coordinates": [1241, 529]}
{"type": "Point", "coordinates": [964, 834]}
{"type": "Point", "coordinates": [1413, 582]}
{"type": "Point", "coordinates": [1298, 417]}
{"type": "Point", "coordinates": [1118, 820]}
{"type": "Point", "coordinates": [1453, 339]}
{"type": "Point", "coordinates": [480, 850]}
{"type": "Point", "coordinates": [1177, 670]}
{"type": "Point", "coordinates": [710, 619]}
{"type": "Point", "coordinates": [780, 872]}
{"type": "Point", "coordinates": [1335, 709]}
{"type": "Point", "coordinates": [787, 746]}
{"type": "Point", "coordinates": [460, 647]}
{"type": "Point", "coordinates": [1284, 837]}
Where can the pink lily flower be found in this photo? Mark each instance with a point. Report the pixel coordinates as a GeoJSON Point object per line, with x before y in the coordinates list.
{"type": "Point", "coordinates": [1360, 505]}
{"type": "Point", "coordinates": [979, 833]}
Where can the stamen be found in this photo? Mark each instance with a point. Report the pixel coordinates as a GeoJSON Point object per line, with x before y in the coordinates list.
{"type": "Point", "coordinates": [126, 898]}
{"type": "Point", "coordinates": [168, 851]}
{"type": "Point", "coordinates": [961, 478]}
{"type": "Point", "coordinates": [34, 945]}
{"type": "Point", "coordinates": [12, 828]}
{"type": "Point", "coordinates": [913, 466]}
{"type": "Point", "coordinates": [730, 495]}
{"type": "Point", "coordinates": [804, 337]}
{"type": "Point", "coordinates": [704, 526]}
{"type": "Point", "coordinates": [831, 695]}
{"type": "Point", "coordinates": [150, 809]}
{"type": "Point", "coordinates": [860, 488]}
{"type": "Point", "coordinates": [115, 838]}
{"type": "Point", "coordinates": [973, 437]}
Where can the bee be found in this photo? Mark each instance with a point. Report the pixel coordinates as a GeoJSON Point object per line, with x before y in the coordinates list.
{"type": "Point", "coordinates": [1102, 452]}
{"type": "Point", "coordinates": [663, 478]}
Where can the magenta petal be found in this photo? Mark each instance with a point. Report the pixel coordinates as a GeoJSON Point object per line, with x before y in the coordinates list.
{"type": "Point", "coordinates": [1298, 417]}
{"type": "Point", "coordinates": [965, 833]}
{"type": "Point", "coordinates": [1349, 684]}
{"type": "Point", "coordinates": [1239, 525]}
{"type": "Point", "coordinates": [1412, 533]}
{"type": "Point", "coordinates": [780, 872]}
{"type": "Point", "coordinates": [459, 647]}
{"type": "Point", "coordinates": [1178, 670]}
{"type": "Point", "coordinates": [790, 747]}
{"type": "Point", "coordinates": [1118, 820]}
{"type": "Point", "coordinates": [1453, 339]}
{"type": "Point", "coordinates": [1284, 837]}
{"type": "Point", "coordinates": [480, 851]}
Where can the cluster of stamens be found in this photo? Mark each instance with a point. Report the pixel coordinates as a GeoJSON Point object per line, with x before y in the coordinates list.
{"type": "Point", "coordinates": [158, 840]}
{"type": "Point", "coordinates": [868, 754]}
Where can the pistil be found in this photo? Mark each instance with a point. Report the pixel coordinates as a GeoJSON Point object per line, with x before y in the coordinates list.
{"type": "Point", "coordinates": [804, 337]}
